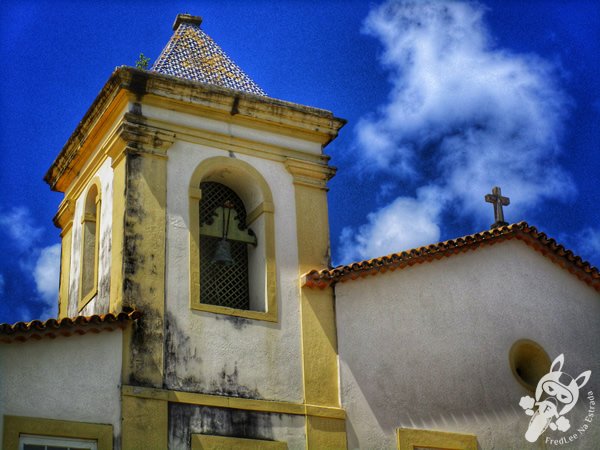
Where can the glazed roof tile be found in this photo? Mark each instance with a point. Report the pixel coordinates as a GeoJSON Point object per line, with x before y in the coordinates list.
{"type": "Point", "coordinates": [52, 328]}
{"type": "Point", "coordinates": [521, 231]}
{"type": "Point", "coordinates": [192, 54]}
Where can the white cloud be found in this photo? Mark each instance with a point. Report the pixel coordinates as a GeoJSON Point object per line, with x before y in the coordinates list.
{"type": "Point", "coordinates": [46, 274]}
{"type": "Point", "coordinates": [405, 223]}
{"type": "Point", "coordinates": [17, 224]}
{"type": "Point", "coordinates": [462, 116]}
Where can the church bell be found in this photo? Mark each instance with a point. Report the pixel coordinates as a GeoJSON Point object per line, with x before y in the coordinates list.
{"type": "Point", "coordinates": [223, 253]}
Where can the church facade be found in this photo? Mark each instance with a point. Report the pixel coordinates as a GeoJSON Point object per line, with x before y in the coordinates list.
{"type": "Point", "coordinates": [197, 309]}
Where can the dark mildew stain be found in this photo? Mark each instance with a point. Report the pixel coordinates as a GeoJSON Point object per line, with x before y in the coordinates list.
{"type": "Point", "coordinates": [134, 217]}
{"type": "Point", "coordinates": [179, 352]}
{"type": "Point", "coordinates": [185, 420]}
{"type": "Point", "coordinates": [237, 322]}
{"type": "Point", "coordinates": [138, 83]}
{"type": "Point", "coordinates": [143, 334]}
{"type": "Point", "coordinates": [228, 384]}
{"type": "Point", "coordinates": [135, 206]}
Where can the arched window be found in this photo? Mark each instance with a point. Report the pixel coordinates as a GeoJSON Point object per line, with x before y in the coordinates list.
{"type": "Point", "coordinates": [90, 233]}
{"type": "Point", "coordinates": [232, 241]}
{"type": "Point", "coordinates": [224, 241]}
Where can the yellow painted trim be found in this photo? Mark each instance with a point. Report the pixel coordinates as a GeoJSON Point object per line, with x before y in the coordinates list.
{"type": "Point", "coordinates": [209, 442]}
{"type": "Point", "coordinates": [205, 168]}
{"type": "Point", "coordinates": [325, 432]}
{"type": "Point", "coordinates": [65, 273]}
{"type": "Point", "coordinates": [144, 246]}
{"type": "Point", "coordinates": [264, 207]}
{"type": "Point", "coordinates": [14, 426]}
{"type": "Point", "coordinates": [145, 423]}
{"type": "Point", "coordinates": [320, 371]}
{"type": "Point", "coordinates": [85, 298]}
{"type": "Point", "coordinates": [117, 235]}
{"type": "Point", "coordinates": [196, 193]}
{"type": "Point", "coordinates": [319, 335]}
{"type": "Point", "coordinates": [309, 173]}
{"type": "Point", "coordinates": [409, 439]}
{"type": "Point", "coordinates": [114, 146]}
{"type": "Point", "coordinates": [87, 159]}
{"type": "Point", "coordinates": [63, 218]}
{"type": "Point", "coordinates": [269, 316]}
{"type": "Point", "coordinates": [246, 404]}
{"type": "Point", "coordinates": [328, 412]}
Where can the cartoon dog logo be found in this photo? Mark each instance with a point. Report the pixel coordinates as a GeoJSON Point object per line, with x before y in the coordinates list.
{"type": "Point", "coordinates": [555, 395]}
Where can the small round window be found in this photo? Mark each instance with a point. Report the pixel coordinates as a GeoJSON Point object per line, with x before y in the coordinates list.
{"type": "Point", "coordinates": [529, 362]}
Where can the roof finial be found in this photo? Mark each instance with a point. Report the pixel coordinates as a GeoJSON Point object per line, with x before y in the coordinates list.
{"type": "Point", "coordinates": [496, 198]}
{"type": "Point", "coordinates": [186, 18]}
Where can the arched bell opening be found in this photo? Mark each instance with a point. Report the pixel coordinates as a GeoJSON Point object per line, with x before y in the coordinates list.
{"type": "Point", "coordinates": [232, 251]}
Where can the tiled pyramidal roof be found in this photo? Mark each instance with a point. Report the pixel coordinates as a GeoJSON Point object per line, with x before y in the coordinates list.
{"type": "Point", "coordinates": [193, 55]}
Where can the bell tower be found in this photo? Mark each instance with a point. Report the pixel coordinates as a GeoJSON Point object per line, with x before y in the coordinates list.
{"type": "Point", "coordinates": [192, 196]}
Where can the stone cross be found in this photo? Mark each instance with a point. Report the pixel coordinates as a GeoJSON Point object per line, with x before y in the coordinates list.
{"type": "Point", "coordinates": [496, 198]}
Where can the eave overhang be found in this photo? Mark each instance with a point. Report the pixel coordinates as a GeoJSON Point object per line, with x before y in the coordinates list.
{"type": "Point", "coordinates": [53, 328]}
{"type": "Point", "coordinates": [521, 231]}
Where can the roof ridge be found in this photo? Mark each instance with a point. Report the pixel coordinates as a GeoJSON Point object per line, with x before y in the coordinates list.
{"type": "Point", "coordinates": [520, 230]}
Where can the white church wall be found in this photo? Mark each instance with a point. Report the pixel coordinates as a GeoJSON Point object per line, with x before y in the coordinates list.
{"type": "Point", "coordinates": [427, 346]}
{"type": "Point", "coordinates": [75, 378]}
{"type": "Point", "coordinates": [99, 304]}
{"type": "Point", "coordinates": [218, 353]}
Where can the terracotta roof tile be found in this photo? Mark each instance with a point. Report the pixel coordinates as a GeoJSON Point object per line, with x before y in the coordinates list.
{"type": "Point", "coordinates": [52, 328]}
{"type": "Point", "coordinates": [521, 231]}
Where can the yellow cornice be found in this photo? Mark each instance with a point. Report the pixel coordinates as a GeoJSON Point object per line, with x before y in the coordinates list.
{"type": "Point", "coordinates": [235, 103]}
{"type": "Point", "coordinates": [234, 144]}
{"type": "Point", "coordinates": [309, 173]}
{"type": "Point", "coordinates": [247, 404]}
{"type": "Point", "coordinates": [286, 123]}
{"type": "Point", "coordinates": [136, 86]}
{"type": "Point", "coordinates": [84, 142]}
{"type": "Point", "coordinates": [126, 134]}
{"type": "Point", "coordinates": [64, 217]}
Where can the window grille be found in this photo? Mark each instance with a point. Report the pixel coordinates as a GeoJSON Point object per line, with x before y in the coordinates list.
{"type": "Point", "coordinates": [224, 285]}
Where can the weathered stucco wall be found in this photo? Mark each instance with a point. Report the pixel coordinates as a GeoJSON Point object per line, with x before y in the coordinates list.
{"type": "Point", "coordinates": [100, 303]}
{"type": "Point", "coordinates": [222, 354]}
{"type": "Point", "coordinates": [75, 378]}
{"type": "Point", "coordinates": [185, 420]}
{"type": "Point", "coordinates": [442, 333]}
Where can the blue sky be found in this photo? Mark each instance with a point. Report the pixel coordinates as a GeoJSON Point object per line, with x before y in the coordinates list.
{"type": "Point", "coordinates": [443, 100]}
